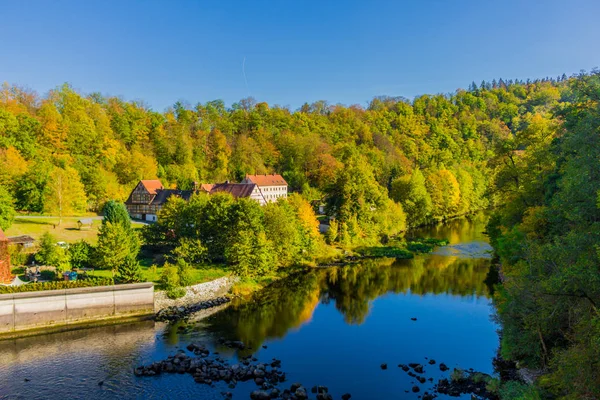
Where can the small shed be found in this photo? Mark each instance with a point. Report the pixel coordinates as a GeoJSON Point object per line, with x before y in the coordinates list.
{"type": "Point", "coordinates": [85, 222]}
{"type": "Point", "coordinates": [25, 241]}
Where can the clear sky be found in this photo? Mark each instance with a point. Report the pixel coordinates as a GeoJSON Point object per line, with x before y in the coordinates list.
{"type": "Point", "coordinates": [295, 51]}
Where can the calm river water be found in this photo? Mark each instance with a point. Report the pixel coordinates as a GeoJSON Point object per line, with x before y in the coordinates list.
{"type": "Point", "coordinates": [331, 327]}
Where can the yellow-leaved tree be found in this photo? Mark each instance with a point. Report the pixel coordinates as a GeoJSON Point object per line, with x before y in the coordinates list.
{"type": "Point", "coordinates": [64, 193]}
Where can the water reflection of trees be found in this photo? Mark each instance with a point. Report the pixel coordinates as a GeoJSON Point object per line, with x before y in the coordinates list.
{"type": "Point", "coordinates": [282, 306]}
{"type": "Point", "coordinates": [353, 288]}
{"type": "Point", "coordinates": [459, 230]}
{"type": "Point", "coordinates": [288, 304]}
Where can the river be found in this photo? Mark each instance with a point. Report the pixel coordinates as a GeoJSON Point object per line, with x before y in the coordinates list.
{"type": "Point", "coordinates": [330, 326]}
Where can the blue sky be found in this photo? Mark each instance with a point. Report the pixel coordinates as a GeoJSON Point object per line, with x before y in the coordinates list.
{"type": "Point", "coordinates": [295, 51]}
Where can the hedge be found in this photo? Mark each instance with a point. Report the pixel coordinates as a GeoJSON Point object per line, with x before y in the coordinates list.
{"type": "Point", "coordinates": [55, 285]}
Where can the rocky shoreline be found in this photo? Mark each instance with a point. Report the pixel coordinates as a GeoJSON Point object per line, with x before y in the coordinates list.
{"type": "Point", "coordinates": [176, 313]}
{"type": "Point", "coordinates": [195, 294]}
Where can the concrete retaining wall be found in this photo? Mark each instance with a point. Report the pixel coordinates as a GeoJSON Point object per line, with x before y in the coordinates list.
{"type": "Point", "coordinates": [50, 308]}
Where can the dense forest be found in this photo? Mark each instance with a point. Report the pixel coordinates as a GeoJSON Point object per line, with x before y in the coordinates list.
{"type": "Point", "coordinates": [416, 161]}
{"type": "Point", "coordinates": [530, 150]}
{"type": "Point", "coordinates": [547, 234]}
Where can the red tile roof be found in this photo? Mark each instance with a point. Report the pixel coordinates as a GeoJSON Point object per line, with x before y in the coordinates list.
{"type": "Point", "coordinates": [152, 185]}
{"type": "Point", "coordinates": [267, 180]}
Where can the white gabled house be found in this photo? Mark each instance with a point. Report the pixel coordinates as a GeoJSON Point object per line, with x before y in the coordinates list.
{"type": "Point", "coordinates": [272, 186]}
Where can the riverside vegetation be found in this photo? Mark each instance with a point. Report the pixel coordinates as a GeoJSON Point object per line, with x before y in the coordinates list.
{"type": "Point", "coordinates": [527, 148]}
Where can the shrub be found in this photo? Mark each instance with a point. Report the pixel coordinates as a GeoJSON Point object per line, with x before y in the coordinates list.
{"type": "Point", "coordinates": [175, 293]}
{"type": "Point", "coordinates": [184, 272]}
{"type": "Point", "coordinates": [332, 234]}
{"type": "Point", "coordinates": [47, 275]}
{"type": "Point", "coordinates": [190, 250]}
{"type": "Point", "coordinates": [129, 271]}
{"type": "Point", "coordinates": [17, 255]}
{"type": "Point", "coordinates": [169, 277]}
{"type": "Point", "coordinates": [51, 254]}
{"type": "Point", "coordinates": [80, 254]}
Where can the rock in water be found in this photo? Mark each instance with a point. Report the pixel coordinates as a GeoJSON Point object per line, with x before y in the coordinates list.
{"type": "Point", "coordinates": [346, 396]}
{"type": "Point", "coordinates": [443, 367]}
{"type": "Point", "coordinates": [416, 389]}
{"type": "Point", "coordinates": [301, 393]}
{"type": "Point", "coordinates": [383, 366]}
{"type": "Point", "coordinates": [413, 319]}
{"type": "Point", "coordinates": [260, 395]}
{"type": "Point", "coordinates": [431, 362]}
{"type": "Point", "coordinates": [322, 389]}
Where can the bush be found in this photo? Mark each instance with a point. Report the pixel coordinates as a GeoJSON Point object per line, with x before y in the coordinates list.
{"type": "Point", "coordinates": [80, 254]}
{"type": "Point", "coordinates": [17, 255]}
{"type": "Point", "coordinates": [184, 272]}
{"type": "Point", "coordinates": [129, 271]}
{"type": "Point", "coordinates": [53, 255]}
{"type": "Point", "coordinates": [47, 275]}
{"type": "Point", "coordinates": [190, 250]}
{"type": "Point", "coordinates": [169, 278]}
{"type": "Point", "coordinates": [175, 293]}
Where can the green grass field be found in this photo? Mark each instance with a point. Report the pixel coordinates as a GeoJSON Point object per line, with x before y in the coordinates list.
{"type": "Point", "coordinates": [67, 231]}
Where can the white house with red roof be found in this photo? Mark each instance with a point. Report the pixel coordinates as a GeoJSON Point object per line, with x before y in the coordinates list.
{"type": "Point", "coordinates": [272, 187]}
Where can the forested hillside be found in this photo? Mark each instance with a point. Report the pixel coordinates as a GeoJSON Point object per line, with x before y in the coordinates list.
{"type": "Point", "coordinates": [435, 157]}
{"type": "Point", "coordinates": [547, 233]}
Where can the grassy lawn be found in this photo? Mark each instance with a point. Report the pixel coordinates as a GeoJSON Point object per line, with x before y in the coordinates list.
{"type": "Point", "coordinates": [152, 274]}
{"type": "Point", "coordinates": [67, 231]}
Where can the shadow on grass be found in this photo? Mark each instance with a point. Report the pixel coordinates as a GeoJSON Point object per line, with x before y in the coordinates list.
{"type": "Point", "coordinates": [22, 221]}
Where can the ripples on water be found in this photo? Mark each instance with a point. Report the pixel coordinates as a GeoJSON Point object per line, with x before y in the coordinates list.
{"type": "Point", "coordinates": [331, 327]}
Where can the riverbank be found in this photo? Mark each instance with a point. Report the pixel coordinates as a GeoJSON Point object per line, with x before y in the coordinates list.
{"type": "Point", "coordinates": [196, 293]}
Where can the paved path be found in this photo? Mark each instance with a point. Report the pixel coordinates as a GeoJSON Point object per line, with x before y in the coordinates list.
{"type": "Point", "coordinates": [97, 217]}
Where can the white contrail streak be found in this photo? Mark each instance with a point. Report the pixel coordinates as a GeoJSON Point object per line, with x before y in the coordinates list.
{"type": "Point", "coordinates": [244, 72]}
